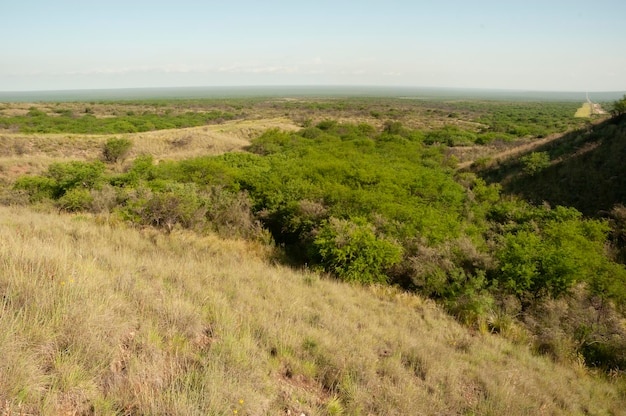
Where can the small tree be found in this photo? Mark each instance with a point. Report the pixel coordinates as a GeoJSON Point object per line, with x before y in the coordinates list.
{"type": "Point", "coordinates": [535, 162]}
{"type": "Point", "coordinates": [353, 252]}
{"type": "Point", "coordinates": [619, 107]}
{"type": "Point", "coordinates": [116, 150]}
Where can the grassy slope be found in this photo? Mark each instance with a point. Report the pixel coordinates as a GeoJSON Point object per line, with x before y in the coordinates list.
{"type": "Point", "coordinates": [32, 153]}
{"type": "Point", "coordinates": [99, 318]}
{"type": "Point", "coordinates": [586, 170]}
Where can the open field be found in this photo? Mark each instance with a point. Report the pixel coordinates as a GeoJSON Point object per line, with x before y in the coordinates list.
{"type": "Point", "coordinates": [584, 111]}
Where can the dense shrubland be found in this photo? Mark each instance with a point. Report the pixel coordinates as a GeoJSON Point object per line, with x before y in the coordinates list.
{"type": "Point", "coordinates": [67, 121]}
{"type": "Point", "coordinates": [383, 205]}
{"type": "Point", "coordinates": [582, 169]}
{"type": "Point", "coordinates": [450, 122]}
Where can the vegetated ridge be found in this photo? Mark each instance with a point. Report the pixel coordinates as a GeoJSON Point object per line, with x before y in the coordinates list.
{"type": "Point", "coordinates": [585, 170]}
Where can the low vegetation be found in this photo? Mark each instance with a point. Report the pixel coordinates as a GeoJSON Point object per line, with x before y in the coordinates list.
{"type": "Point", "coordinates": [619, 107]}
{"type": "Point", "coordinates": [377, 203]}
{"type": "Point", "coordinates": [581, 169]}
{"type": "Point", "coordinates": [65, 121]}
{"type": "Point", "coordinates": [584, 111]}
{"type": "Point", "coordinates": [100, 318]}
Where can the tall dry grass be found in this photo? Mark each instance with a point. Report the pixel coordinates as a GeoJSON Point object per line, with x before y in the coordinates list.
{"type": "Point", "coordinates": [98, 318]}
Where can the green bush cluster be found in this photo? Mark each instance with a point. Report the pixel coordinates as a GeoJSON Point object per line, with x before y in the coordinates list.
{"type": "Point", "coordinates": [535, 162]}
{"type": "Point", "coordinates": [36, 121]}
{"type": "Point", "coordinates": [619, 107]}
{"type": "Point", "coordinates": [116, 149]}
{"type": "Point", "coordinates": [522, 119]}
{"type": "Point", "coordinates": [352, 251]}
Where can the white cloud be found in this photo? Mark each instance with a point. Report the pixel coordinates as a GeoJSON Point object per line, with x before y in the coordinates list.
{"type": "Point", "coordinates": [254, 69]}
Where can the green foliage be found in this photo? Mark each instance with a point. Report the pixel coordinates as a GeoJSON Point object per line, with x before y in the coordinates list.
{"type": "Point", "coordinates": [75, 200]}
{"type": "Point", "coordinates": [520, 119]}
{"type": "Point", "coordinates": [38, 188]}
{"type": "Point", "coordinates": [274, 140]}
{"type": "Point", "coordinates": [401, 181]}
{"type": "Point", "coordinates": [116, 149]}
{"type": "Point", "coordinates": [535, 162]}
{"type": "Point", "coordinates": [37, 121]}
{"type": "Point", "coordinates": [548, 257]}
{"type": "Point", "coordinates": [619, 107]}
{"type": "Point", "coordinates": [61, 178]}
{"type": "Point", "coordinates": [451, 136]}
{"type": "Point", "coordinates": [351, 250]}
{"type": "Point", "coordinates": [176, 204]}
{"type": "Point", "coordinates": [75, 174]}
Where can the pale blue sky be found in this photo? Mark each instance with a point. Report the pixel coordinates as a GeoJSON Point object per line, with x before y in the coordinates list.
{"type": "Point", "coordinates": [548, 45]}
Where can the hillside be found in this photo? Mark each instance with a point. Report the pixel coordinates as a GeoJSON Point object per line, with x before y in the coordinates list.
{"type": "Point", "coordinates": [99, 318]}
{"type": "Point", "coordinates": [585, 170]}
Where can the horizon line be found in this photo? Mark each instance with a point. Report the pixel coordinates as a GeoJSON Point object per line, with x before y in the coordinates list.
{"type": "Point", "coordinates": [313, 86]}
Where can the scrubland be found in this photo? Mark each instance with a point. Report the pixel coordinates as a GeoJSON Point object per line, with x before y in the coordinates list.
{"type": "Point", "coordinates": [317, 257]}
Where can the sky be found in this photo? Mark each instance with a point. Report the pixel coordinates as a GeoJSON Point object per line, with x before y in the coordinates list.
{"type": "Point", "coordinates": [547, 45]}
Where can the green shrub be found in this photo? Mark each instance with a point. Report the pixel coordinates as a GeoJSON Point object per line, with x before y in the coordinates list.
{"type": "Point", "coordinates": [177, 205]}
{"type": "Point", "coordinates": [450, 136]}
{"type": "Point", "coordinates": [37, 188]}
{"type": "Point", "coordinates": [116, 150]}
{"type": "Point", "coordinates": [75, 200]}
{"type": "Point", "coordinates": [535, 162]}
{"type": "Point", "coordinates": [619, 107]}
{"type": "Point", "coordinates": [352, 251]}
{"type": "Point", "coordinates": [75, 174]}
{"type": "Point", "coordinates": [550, 258]}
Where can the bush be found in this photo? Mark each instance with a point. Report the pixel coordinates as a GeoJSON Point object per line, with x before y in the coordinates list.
{"type": "Point", "coordinates": [230, 214]}
{"type": "Point", "coordinates": [75, 200]}
{"type": "Point", "coordinates": [177, 204]}
{"type": "Point", "coordinates": [70, 175]}
{"type": "Point", "coordinates": [579, 326]}
{"type": "Point", "coordinates": [619, 107]}
{"type": "Point", "coordinates": [116, 150]}
{"type": "Point", "coordinates": [352, 251]}
{"type": "Point", "coordinates": [535, 162]}
{"type": "Point", "coordinates": [37, 188]}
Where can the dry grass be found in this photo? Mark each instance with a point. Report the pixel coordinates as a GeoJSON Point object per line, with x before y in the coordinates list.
{"type": "Point", "coordinates": [584, 111]}
{"type": "Point", "coordinates": [206, 140]}
{"type": "Point", "coordinates": [97, 318]}
{"type": "Point", "coordinates": [33, 153]}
